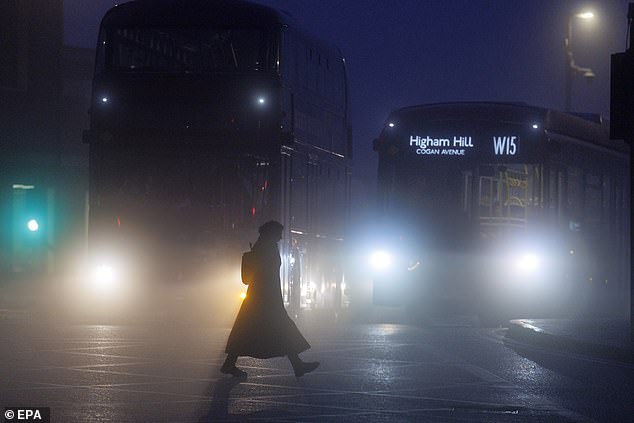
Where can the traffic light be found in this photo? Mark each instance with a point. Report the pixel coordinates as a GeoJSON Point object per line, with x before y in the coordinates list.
{"type": "Point", "coordinates": [31, 226]}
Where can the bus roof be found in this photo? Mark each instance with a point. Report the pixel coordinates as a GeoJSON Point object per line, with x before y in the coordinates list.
{"type": "Point", "coordinates": [570, 125]}
{"type": "Point", "coordinates": [205, 13]}
{"type": "Point", "coordinates": [221, 13]}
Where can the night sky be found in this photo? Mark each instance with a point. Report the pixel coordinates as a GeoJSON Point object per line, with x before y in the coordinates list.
{"type": "Point", "coordinates": [405, 52]}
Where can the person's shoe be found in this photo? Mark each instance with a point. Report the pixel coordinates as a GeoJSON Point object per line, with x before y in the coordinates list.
{"type": "Point", "coordinates": [304, 368]}
{"type": "Point", "coordinates": [233, 371]}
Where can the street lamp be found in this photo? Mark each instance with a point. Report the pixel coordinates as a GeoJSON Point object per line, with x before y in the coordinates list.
{"type": "Point", "coordinates": [571, 66]}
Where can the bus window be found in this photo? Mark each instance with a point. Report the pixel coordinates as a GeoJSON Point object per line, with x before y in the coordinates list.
{"type": "Point", "coordinates": [504, 196]}
{"type": "Point", "coordinates": [574, 198]}
{"type": "Point", "coordinates": [592, 207]}
{"type": "Point", "coordinates": [215, 194]}
{"type": "Point", "coordinates": [177, 50]}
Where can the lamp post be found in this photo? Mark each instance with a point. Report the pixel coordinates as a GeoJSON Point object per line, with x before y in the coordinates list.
{"type": "Point", "coordinates": [571, 66]}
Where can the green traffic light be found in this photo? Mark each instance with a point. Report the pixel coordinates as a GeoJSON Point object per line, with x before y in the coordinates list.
{"type": "Point", "coordinates": [33, 225]}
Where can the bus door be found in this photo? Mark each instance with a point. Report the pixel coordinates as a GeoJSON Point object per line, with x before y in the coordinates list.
{"type": "Point", "coordinates": [503, 197]}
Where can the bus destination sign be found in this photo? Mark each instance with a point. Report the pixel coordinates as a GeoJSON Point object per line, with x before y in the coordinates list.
{"type": "Point", "coordinates": [461, 145]}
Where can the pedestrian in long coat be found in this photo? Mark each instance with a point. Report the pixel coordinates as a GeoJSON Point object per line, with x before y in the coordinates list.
{"type": "Point", "coordinates": [262, 328]}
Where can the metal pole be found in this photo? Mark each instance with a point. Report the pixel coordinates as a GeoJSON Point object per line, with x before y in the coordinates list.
{"type": "Point", "coordinates": [630, 140]}
{"type": "Point", "coordinates": [622, 127]}
{"type": "Point", "coordinates": [568, 64]}
{"type": "Point", "coordinates": [631, 143]}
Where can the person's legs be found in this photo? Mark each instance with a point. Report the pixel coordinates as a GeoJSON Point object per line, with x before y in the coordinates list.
{"type": "Point", "coordinates": [301, 367]}
{"type": "Point", "coordinates": [229, 366]}
{"type": "Point", "coordinates": [295, 360]}
{"type": "Point", "coordinates": [230, 361]}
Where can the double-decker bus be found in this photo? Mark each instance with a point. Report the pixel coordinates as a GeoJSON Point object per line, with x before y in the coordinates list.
{"type": "Point", "coordinates": [503, 209]}
{"type": "Point", "coordinates": [209, 118]}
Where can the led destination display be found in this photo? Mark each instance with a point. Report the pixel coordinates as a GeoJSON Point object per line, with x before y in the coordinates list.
{"type": "Point", "coordinates": [512, 143]}
{"type": "Point", "coordinates": [503, 145]}
{"type": "Point", "coordinates": [467, 132]}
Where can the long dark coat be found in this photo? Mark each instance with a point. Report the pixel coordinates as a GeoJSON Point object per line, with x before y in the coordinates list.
{"type": "Point", "coordinates": [263, 329]}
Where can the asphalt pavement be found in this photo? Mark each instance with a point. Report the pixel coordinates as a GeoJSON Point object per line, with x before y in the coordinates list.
{"type": "Point", "coordinates": [157, 372]}
{"type": "Point", "coordinates": [601, 338]}
{"type": "Point", "coordinates": [451, 370]}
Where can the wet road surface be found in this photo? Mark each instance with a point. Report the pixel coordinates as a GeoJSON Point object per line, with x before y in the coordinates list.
{"type": "Point", "coordinates": [161, 372]}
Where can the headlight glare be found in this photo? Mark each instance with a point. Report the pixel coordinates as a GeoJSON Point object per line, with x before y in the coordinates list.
{"type": "Point", "coordinates": [105, 277]}
{"type": "Point", "coordinates": [528, 263]}
{"type": "Point", "coordinates": [381, 260]}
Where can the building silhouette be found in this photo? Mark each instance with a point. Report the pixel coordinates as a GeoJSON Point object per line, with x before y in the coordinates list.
{"type": "Point", "coordinates": [44, 100]}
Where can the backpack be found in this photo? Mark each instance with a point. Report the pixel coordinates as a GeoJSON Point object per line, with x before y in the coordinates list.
{"type": "Point", "coordinates": [249, 266]}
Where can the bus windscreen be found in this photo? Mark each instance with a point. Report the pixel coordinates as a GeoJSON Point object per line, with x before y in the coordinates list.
{"type": "Point", "coordinates": [186, 50]}
{"type": "Point", "coordinates": [184, 199]}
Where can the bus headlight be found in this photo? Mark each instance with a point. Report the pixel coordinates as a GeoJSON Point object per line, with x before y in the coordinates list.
{"type": "Point", "coordinates": [105, 277]}
{"type": "Point", "coordinates": [527, 263]}
{"type": "Point", "coordinates": [381, 260]}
